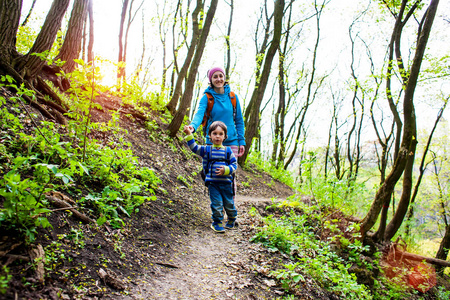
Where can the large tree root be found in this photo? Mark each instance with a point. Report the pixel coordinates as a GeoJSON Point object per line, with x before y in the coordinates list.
{"type": "Point", "coordinates": [56, 114]}
{"type": "Point", "coordinates": [400, 254]}
{"type": "Point", "coordinates": [63, 204]}
{"type": "Point", "coordinates": [37, 256]}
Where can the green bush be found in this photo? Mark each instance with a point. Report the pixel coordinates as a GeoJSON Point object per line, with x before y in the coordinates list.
{"type": "Point", "coordinates": [294, 235]}
{"type": "Point", "coordinates": [63, 159]}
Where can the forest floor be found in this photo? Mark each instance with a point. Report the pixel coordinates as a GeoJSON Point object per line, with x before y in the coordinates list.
{"type": "Point", "coordinates": [208, 265]}
{"type": "Point", "coordinates": [166, 250]}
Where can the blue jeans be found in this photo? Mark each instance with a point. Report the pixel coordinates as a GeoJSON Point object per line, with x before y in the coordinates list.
{"type": "Point", "coordinates": [221, 196]}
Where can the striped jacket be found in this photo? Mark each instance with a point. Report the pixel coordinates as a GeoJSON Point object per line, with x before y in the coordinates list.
{"type": "Point", "coordinates": [216, 157]}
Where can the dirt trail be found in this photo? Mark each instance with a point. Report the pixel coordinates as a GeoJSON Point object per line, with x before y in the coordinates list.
{"type": "Point", "coordinates": [209, 265]}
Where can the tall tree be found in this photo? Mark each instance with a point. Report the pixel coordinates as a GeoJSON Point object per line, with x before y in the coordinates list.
{"type": "Point", "coordinates": [27, 68]}
{"type": "Point", "coordinates": [261, 48]}
{"type": "Point", "coordinates": [404, 160]}
{"type": "Point", "coordinates": [394, 51]}
{"type": "Point", "coordinates": [163, 25]}
{"type": "Point", "coordinates": [196, 32]}
{"type": "Point", "coordinates": [252, 123]}
{"type": "Point", "coordinates": [354, 148]}
{"type": "Point", "coordinates": [284, 94]}
{"type": "Point", "coordinates": [411, 83]}
{"type": "Point", "coordinates": [29, 64]}
{"type": "Point", "coordinates": [186, 99]}
{"type": "Point", "coordinates": [120, 59]}
{"type": "Point", "coordinates": [25, 21]}
{"type": "Point", "coordinates": [127, 8]}
{"type": "Point", "coordinates": [227, 41]}
{"type": "Point", "coordinates": [313, 86]}
{"type": "Point", "coordinates": [444, 246]}
{"type": "Point", "coordinates": [180, 28]}
{"type": "Point", "coordinates": [71, 47]}
{"type": "Point", "coordinates": [90, 51]}
{"type": "Point", "coordinates": [336, 159]}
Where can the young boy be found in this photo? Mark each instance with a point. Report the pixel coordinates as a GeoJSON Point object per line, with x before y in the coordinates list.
{"type": "Point", "coordinates": [219, 164]}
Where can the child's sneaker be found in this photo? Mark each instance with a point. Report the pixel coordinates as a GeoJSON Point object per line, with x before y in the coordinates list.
{"type": "Point", "coordinates": [217, 227]}
{"type": "Point", "coordinates": [231, 224]}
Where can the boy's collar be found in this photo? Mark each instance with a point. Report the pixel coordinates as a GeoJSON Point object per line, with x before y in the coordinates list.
{"type": "Point", "coordinates": [217, 146]}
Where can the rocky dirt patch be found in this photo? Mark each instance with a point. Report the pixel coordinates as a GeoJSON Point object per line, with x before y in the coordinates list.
{"type": "Point", "coordinates": [208, 265]}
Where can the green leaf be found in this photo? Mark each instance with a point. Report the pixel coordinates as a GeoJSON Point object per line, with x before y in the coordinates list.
{"type": "Point", "coordinates": [120, 207]}
{"type": "Point", "coordinates": [84, 168]}
{"type": "Point", "coordinates": [101, 220]}
{"type": "Point", "coordinates": [65, 178]}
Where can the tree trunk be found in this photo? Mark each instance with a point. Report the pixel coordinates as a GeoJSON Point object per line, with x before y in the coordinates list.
{"type": "Point", "coordinates": [410, 121]}
{"type": "Point", "coordinates": [9, 24]}
{"type": "Point", "coordinates": [259, 59]}
{"type": "Point", "coordinates": [279, 115]}
{"type": "Point", "coordinates": [90, 56]}
{"type": "Point", "coordinates": [337, 151]}
{"type": "Point", "coordinates": [30, 65]}
{"type": "Point", "coordinates": [408, 145]}
{"type": "Point", "coordinates": [121, 68]}
{"type": "Point", "coordinates": [71, 47]}
{"type": "Point", "coordinates": [173, 103]}
{"type": "Point", "coordinates": [403, 204]}
{"type": "Point", "coordinates": [227, 41]}
{"type": "Point", "coordinates": [25, 21]}
{"type": "Point", "coordinates": [131, 16]}
{"type": "Point", "coordinates": [252, 126]}
{"type": "Point", "coordinates": [26, 69]}
{"type": "Point", "coordinates": [185, 103]}
{"type": "Point", "coordinates": [444, 247]}
{"type": "Point", "coordinates": [330, 135]}
{"type": "Point", "coordinates": [385, 191]}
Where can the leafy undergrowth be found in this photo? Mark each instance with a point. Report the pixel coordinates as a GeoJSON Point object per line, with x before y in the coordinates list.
{"type": "Point", "coordinates": [77, 213]}
{"type": "Point", "coordinates": [323, 248]}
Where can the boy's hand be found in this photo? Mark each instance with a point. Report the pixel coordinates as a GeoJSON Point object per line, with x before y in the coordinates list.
{"type": "Point", "coordinates": [220, 171]}
{"type": "Point", "coordinates": [187, 129]}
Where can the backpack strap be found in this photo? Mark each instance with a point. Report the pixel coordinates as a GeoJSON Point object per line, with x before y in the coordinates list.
{"type": "Point", "coordinates": [233, 102]}
{"type": "Point", "coordinates": [208, 163]}
{"type": "Point", "coordinates": [210, 105]}
{"type": "Point", "coordinates": [229, 152]}
{"type": "Point", "coordinates": [208, 109]}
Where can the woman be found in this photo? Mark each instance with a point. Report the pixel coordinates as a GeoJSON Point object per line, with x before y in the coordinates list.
{"type": "Point", "coordinates": [222, 110]}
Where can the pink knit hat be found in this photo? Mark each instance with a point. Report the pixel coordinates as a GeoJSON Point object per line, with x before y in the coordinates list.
{"type": "Point", "coordinates": [214, 70]}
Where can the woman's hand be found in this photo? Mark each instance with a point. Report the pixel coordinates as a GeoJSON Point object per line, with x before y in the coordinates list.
{"type": "Point", "coordinates": [241, 151]}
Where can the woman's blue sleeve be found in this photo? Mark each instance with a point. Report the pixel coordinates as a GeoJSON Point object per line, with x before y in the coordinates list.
{"type": "Point", "coordinates": [198, 117]}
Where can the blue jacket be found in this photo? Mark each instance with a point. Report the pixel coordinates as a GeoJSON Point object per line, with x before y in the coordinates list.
{"type": "Point", "coordinates": [222, 111]}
